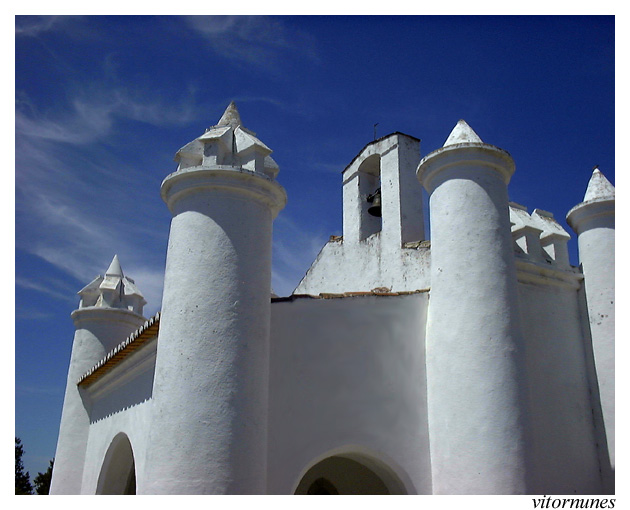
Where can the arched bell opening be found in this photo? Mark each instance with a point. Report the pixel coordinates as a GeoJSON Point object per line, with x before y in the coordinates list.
{"type": "Point", "coordinates": [118, 473]}
{"type": "Point", "coordinates": [370, 192]}
{"type": "Point", "coordinates": [351, 474]}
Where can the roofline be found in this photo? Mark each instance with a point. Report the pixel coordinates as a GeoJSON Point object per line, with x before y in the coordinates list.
{"type": "Point", "coordinates": [376, 141]}
{"type": "Point", "coordinates": [331, 295]}
{"type": "Point", "coordinates": [134, 341]}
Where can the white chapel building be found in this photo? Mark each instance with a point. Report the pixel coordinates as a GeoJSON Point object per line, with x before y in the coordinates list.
{"type": "Point", "coordinates": [478, 361]}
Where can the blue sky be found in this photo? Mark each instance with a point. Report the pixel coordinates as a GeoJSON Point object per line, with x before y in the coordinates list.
{"type": "Point", "coordinates": [103, 104]}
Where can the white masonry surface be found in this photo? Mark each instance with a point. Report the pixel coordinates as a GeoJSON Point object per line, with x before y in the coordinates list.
{"type": "Point", "coordinates": [478, 361]}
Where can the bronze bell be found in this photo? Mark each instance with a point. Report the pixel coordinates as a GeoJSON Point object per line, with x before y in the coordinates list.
{"type": "Point", "coordinates": [375, 200]}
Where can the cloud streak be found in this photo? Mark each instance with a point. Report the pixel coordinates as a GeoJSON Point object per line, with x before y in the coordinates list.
{"type": "Point", "coordinates": [72, 204]}
{"type": "Point", "coordinates": [32, 26]}
{"type": "Point", "coordinates": [294, 250]}
{"type": "Point", "coordinates": [92, 115]}
{"type": "Point", "coordinates": [49, 289]}
{"type": "Point", "coordinates": [257, 40]}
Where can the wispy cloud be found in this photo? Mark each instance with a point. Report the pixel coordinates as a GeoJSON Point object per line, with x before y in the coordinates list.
{"type": "Point", "coordinates": [89, 253]}
{"type": "Point", "coordinates": [33, 315]}
{"type": "Point", "coordinates": [150, 281]}
{"type": "Point", "coordinates": [39, 390]}
{"type": "Point", "coordinates": [294, 249]}
{"type": "Point", "coordinates": [92, 114]}
{"type": "Point", "coordinates": [31, 26]}
{"type": "Point", "coordinates": [70, 186]}
{"type": "Point", "coordinates": [334, 168]}
{"type": "Point", "coordinates": [258, 40]}
{"type": "Point", "coordinates": [82, 244]}
{"type": "Point", "coordinates": [72, 194]}
{"type": "Point", "coordinates": [49, 288]}
{"type": "Point", "coordinates": [76, 27]}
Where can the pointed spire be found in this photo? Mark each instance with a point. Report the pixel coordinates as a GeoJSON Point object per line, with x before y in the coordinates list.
{"type": "Point", "coordinates": [230, 117]}
{"type": "Point", "coordinates": [462, 133]}
{"type": "Point", "coordinates": [114, 268]}
{"type": "Point", "coordinates": [114, 290]}
{"type": "Point", "coordinates": [599, 188]}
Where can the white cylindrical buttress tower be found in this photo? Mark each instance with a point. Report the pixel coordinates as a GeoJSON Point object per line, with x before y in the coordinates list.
{"type": "Point", "coordinates": [110, 310]}
{"type": "Point", "coordinates": [474, 346]}
{"type": "Point", "coordinates": [594, 222]}
{"type": "Point", "coordinates": [213, 347]}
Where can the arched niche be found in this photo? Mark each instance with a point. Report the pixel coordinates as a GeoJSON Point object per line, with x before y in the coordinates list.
{"type": "Point", "coordinates": [118, 473]}
{"type": "Point", "coordinates": [369, 182]}
{"type": "Point", "coordinates": [350, 473]}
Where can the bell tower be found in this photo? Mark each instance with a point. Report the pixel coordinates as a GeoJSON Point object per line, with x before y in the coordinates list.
{"type": "Point", "coordinates": [383, 225]}
{"type": "Point", "coordinates": [381, 193]}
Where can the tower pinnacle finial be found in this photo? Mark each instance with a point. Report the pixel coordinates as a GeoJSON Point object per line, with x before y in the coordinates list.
{"type": "Point", "coordinates": [462, 133]}
{"type": "Point", "coordinates": [230, 116]}
{"type": "Point", "coordinates": [228, 143]}
{"type": "Point", "coordinates": [114, 290]}
{"type": "Point", "coordinates": [599, 188]}
{"type": "Point", "coordinates": [114, 268]}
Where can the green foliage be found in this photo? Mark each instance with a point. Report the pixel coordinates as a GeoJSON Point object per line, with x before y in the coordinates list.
{"type": "Point", "coordinates": [42, 480]}
{"type": "Point", "coordinates": [22, 479]}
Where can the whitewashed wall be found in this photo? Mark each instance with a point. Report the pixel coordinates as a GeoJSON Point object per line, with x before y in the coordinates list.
{"type": "Point", "coordinates": [348, 375]}
{"type": "Point", "coordinates": [342, 267]}
{"type": "Point", "coordinates": [561, 416]}
{"type": "Point", "coordinates": [121, 402]}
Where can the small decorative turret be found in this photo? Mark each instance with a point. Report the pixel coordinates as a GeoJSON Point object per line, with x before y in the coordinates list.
{"type": "Point", "coordinates": [525, 233]}
{"type": "Point", "coordinates": [553, 238]}
{"type": "Point", "coordinates": [109, 311]}
{"type": "Point", "coordinates": [539, 236]}
{"type": "Point", "coordinates": [228, 143]}
{"type": "Point", "coordinates": [474, 341]}
{"type": "Point", "coordinates": [594, 222]}
{"type": "Point", "coordinates": [114, 290]}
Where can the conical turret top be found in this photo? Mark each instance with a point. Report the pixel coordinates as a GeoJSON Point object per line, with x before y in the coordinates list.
{"type": "Point", "coordinates": [228, 144]}
{"type": "Point", "coordinates": [464, 145]}
{"type": "Point", "coordinates": [462, 133]}
{"type": "Point", "coordinates": [599, 202]}
{"type": "Point", "coordinates": [114, 290]}
{"type": "Point", "coordinates": [230, 117]}
{"type": "Point", "coordinates": [599, 188]}
{"type": "Point", "coordinates": [114, 268]}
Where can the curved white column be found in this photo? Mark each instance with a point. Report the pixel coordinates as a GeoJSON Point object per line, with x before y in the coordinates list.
{"type": "Point", "coordinates": [213, 347]}
{"type": "Point", "coordinates": [98, 330]}
{"type": "Point", "coordinates": [476, 396]}
{"type": "Point", "coordinates": [594, 222]}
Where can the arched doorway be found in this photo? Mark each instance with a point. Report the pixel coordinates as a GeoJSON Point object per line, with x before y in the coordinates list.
{"type": "Point", "coordinates": [118, 474]}
{"type": "Point", "coordinates": [350, 474]}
